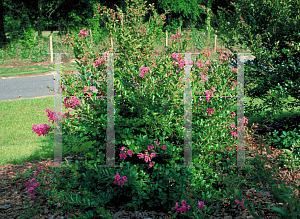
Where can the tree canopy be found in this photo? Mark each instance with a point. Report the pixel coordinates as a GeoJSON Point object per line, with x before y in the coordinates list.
{"type": "Point", "coordinates": [17, 16]}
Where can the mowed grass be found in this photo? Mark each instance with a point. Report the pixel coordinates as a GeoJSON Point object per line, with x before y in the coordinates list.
{"type": "Point", "coordinates": [10, 71]}
{"type": "Point", "coordinates": [17, 142]}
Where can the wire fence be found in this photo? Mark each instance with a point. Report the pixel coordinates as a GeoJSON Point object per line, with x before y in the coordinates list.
{"type": "Point", "coordinates": [51, 40]}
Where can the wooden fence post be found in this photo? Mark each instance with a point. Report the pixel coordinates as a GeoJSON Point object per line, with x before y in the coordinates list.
{"type": "Point", "coordinates": [215, 43]}
{"type": "Point", "coordinates": [166, 38]}
{"type": "Point", "coordinates": [51, 49]}
{"type": "Point", "coordinates": [208, 36]}
{"type": "Point", "coordinates": [180, 36]}
{"type": "Point", "coordinates": [122, 20]}
{"type": "Point", "coordinates": [112, 45]}
{"type": "Point", "coordinates": [91, 35]}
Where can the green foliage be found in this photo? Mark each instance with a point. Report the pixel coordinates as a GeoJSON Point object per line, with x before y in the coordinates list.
{"type": "Point", "coordinates": [286, 139]}
{"type": "Point", "coordinates": [290, 160]}
{"type": "Point", "coordinates": [140, 120]}
{"type": "Point", "coordinates": [140, 117]}
{"type": "Point", "coordinates": [272, 43]}
{"type": "Point", "coordinates": [198, 41]}
{"type": "Point", "coordinates": [39, 53]}
{"type": "Point", "coordinates": [173, 26]}
{"type": "Point", "coordinates": [187, 11]}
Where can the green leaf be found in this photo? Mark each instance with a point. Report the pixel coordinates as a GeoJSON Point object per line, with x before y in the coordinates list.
{"type": "Point", "coordinates": [279, 211]}
{"type": "Point", "coordinates": [236, 192]}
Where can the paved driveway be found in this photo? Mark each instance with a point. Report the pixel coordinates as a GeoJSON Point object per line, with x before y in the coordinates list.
{"type": "Point", "coordinates": [12, 88]}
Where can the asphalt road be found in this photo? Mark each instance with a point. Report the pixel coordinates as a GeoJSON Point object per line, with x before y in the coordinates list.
{"type": "Point", "coordinates": [13, 88]}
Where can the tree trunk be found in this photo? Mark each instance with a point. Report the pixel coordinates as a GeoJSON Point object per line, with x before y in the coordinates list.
{"type": "Point", "coordinates": [3, 39]}
{"type": "Point", "coordinates": [208, 13]}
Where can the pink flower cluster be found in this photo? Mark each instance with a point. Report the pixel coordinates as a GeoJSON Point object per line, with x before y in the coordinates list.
{"type": "Point", "coordinates": [232, 88]}
{"type": "Point", "coordinates": [209, 111]}
{"type": "Point", "coordinates": [180, 63]}
{"type": "Point", "coordinates": [74, 101]}
{"type": "Point", "coordinates": [199, 63]}
{"type": "Point", "coordinates": [175, 56]}
{"type": "Point", "coordinates": [208, 93]}
{"type": "Point", "coordinates": [241, 204]}
{"type": "Point", "coordinates": [42, 129]}
{"type": "Point", "coordinates": [119, 180]}
{"type": "Point", "coordinates": [89, 88]}
{"type": "Point", "coordinates": [100, 61]}
{"type": "Point", "coordinates": [233, 126]}
{"type": "Point", "coordinates": [141, 155]}
{"type": "Point", "coordinates": [203, 78]}
{"type": "Point", "coordinates": [144, 71]}
{"type": "Point", "coordinates": [31, 187]}
{"type": "Point", "coordinates": [82, 32]}
{"type": "Point", "coordinates": [51, 114]}
{"type": "Point", "coordinates": [183, 208]}
{"type": "Point", "coordinates": [221, 57]}
{"type": "Point", "coordinates": [175, 37]}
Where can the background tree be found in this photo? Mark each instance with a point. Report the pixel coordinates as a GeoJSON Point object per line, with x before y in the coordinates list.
{"type": "Point", "coordinates": [271, 30]}
{"type": "Point", "coordinates": [3, 39]}
{"type": "Point", "coordinates": [184, 10]}
{"type": "Point", "coordinates": [64, 15]}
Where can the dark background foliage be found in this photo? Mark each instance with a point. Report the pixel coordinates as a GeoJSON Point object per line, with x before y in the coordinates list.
{"type": "Point", "coordinates": [271, 30]}
{"type": "Point", "coordinates": [66, 15]}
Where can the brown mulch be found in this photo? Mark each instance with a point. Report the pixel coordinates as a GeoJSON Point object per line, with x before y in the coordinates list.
{"type": "Point", "coordinates": [13, 194]}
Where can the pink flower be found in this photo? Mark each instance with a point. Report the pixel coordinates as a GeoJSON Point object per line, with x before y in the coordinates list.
{"type": "Point", "coordinates": [204, 79]}
{"type": "Point", "coordinates": [232, 126]}
{"type": "Point", "coordinates": [82, 32]}
{"type": "Point", "coordinates": [175, 56]}
{"type": "Point", "coordinates": [242, 202]}
{"type": "Point", "coordinates": [119, 180]}
{"type": "Point", "coordinates": [144, 71]}
{"type": "Point", "coordinates": [209, 111]}
{"type": "Point", "coordinates": [199, 62]}
{"type": "Point", "coordinates": [207, 92]}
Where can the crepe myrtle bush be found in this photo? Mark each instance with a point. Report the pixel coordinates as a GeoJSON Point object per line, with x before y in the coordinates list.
{"type": "Point", "coordinates": [140, 124]}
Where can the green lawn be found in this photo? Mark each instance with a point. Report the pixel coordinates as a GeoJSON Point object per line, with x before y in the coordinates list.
{"type": "Point", "coordinates": [33, 69]}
